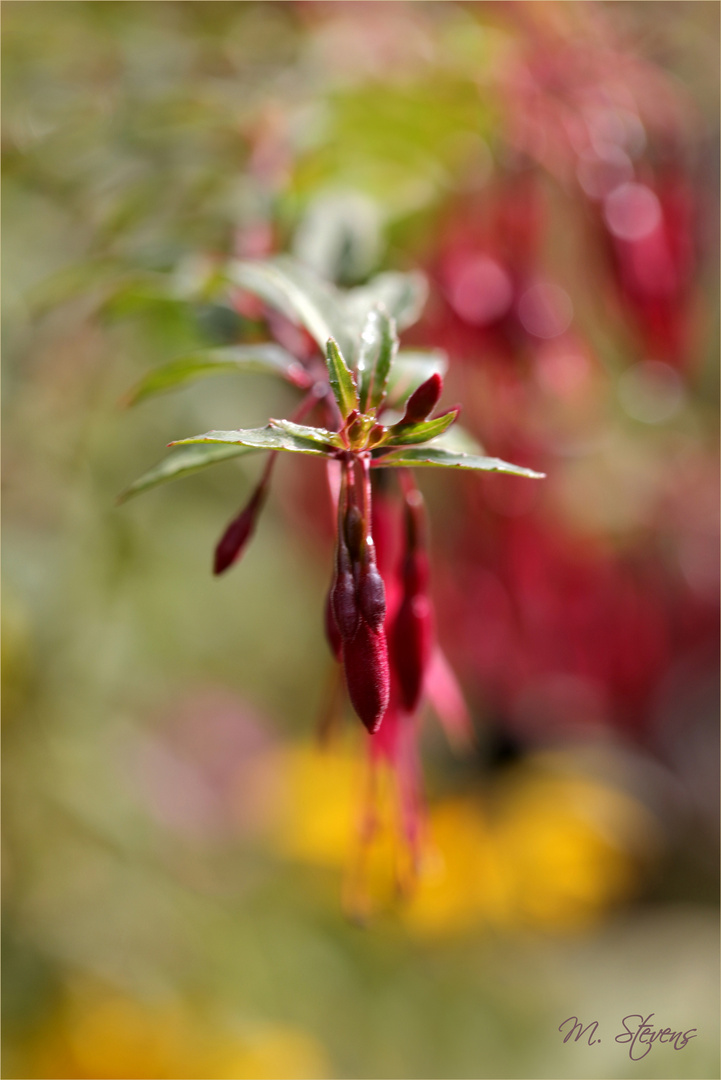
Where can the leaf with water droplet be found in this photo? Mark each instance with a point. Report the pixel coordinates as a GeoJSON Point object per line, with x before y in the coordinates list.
{"type": "Point", "coordinates": [341, 380]}
{"type": "Point", "coordinates": [378, 347]}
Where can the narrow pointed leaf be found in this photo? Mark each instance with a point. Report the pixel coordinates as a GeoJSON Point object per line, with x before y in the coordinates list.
{"type": "Point", "coordinates": [341, 380]}
{"type": "Point", "coordinates": [421, 456]}
{"type": "Point", "coordinates": [377, 350]}
{"type": "Point", "coordinates": [405, 434]}
{"type": "Point", "coordinates": [402, 295]}
{"type": "Point", "coordinates": [410, 369]}
{"type": "Point", "coordinates": [271, 359]}
{"type": "Point", "coordinates": [182, 462]}
{"type": "Point", "coordinates": [272, 437]}
{"type": "Point", "coordinates": [296, 292]}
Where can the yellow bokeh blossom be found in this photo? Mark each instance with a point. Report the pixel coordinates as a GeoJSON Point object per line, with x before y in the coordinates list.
{"type": "Point", "coordinates": [98, 1034]}
{"type": "Point", "coordinates": [544, 846]}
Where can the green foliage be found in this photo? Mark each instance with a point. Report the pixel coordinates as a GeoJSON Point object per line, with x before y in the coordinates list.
{"type": "Point", "coordinates": [375, 375]}
{"type": "Point", "coordinates": [299, 295]}
{"type": "Point", "coordinates": [433, 455]}
{"type": "Point", "coordinates": [342, 381]}
{"type": "Point", "coordinates": [278, 435]}
{"type": "Point", "coordinates": [378, 346]}
{"type": "Point", "coordinates": [187, 460]}
{"type": "Point", "coordinates": [402, 295]}
{"type": "Point", "coordinates": [266, 359]}
{"type": "Point", "coordinates": [134, 851]}
{"type": "Point", "coordinates": [402, 434]}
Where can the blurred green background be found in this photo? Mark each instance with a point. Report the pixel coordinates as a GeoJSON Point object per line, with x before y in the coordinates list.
{"type": "Point", "coordinates": [174, 842]}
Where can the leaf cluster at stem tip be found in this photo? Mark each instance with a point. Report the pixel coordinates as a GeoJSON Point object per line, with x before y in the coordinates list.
{"type": "Point", "coordinates": [366, 402]}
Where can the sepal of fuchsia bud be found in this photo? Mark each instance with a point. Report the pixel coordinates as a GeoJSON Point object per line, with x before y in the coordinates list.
{"type": "Point", "coordinates": [236, 536]}
{"type": "Point", "coordinates": [354, 532]}
{"type": "Point", "coordinates": [332, 633]}
{"type": "Point", "coordinates": [367, 674]}
{"type": "Point", "coordinates": [343, 595]}
{"type": "Point", "coordinates": [371, 595]}
{"type": "Point", "coordinates": [423, 400]}
{"type": "Point", "coordinates": [345, 608]}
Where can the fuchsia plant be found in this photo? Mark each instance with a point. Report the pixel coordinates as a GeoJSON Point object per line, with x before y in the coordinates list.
{"type": "Point", "coordinates": [376, 405]}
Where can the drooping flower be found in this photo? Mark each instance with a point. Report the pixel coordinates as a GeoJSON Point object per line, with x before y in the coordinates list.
{"type": "Point", "coordinates": [376, 405]}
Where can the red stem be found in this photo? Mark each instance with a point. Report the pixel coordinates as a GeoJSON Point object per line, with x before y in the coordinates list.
{"type": "Point", "coordinates": [306, 405]}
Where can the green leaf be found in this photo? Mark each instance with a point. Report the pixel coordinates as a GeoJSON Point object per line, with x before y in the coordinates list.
{"type": "Point", "coordinates": [297, 293]}
{"type": "Point", "coordinates": [403, 434]}
{"type": "Point", "coordinates": [319, 436]}
{"type": "Point", "coordinates": [230, 359]}
{"type": "Point", "coordinates": [98, 278]}
{"type": "Point", "coordinates": [138, 292]}
{"type": "Point", "coordinates": [378, 346]}
{"type": "Point", "coordinates": [409, 370]}
{"type": "Point", "coordinates": [402, 295]}
{"type": "Point", "coordinates": [421, 456]}
{"type": "Point", "coordinates": [341, 380]}
{"type": "Point", "coordinates": [339, 234]}
{"type": "Point", "coordinates": [186, 460]}
{"type": "Point", "coordinates": [272, 437]}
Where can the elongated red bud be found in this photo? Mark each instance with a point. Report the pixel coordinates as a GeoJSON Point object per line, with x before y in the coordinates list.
{"type": "Point", "coordinates": [372, 596]}
{"type": "Point", "coordinates": [423, 401]}
{"type": "Point", "coordinates": [332, 633]}
{"type": "Point", "coordinates": [411, 647]}
{"type": "Point", "coordinates": [412, 635]}
{"type": "Point", "coordinates": [236, 536]}
{"type": "Point", "coordinates": [365, 659]}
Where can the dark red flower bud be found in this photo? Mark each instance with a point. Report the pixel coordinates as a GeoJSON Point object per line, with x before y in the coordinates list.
{"type": "Point", "coordinates": [332, 633]}
{"type": "Point", "coordinates": [423, 401]}
{"type": "Point", "coordinates": [372, 595]}
{"type": "Point", "coordinates": [365, 659]}
{"type": "Point", "coordinates": [411, 646]}
{"type": "Point", "coordinates": [237, 534]}
{"type": "Point", "coordinates": [345, 606]}
{"type": "Point", "coordinates": [354, 530]}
